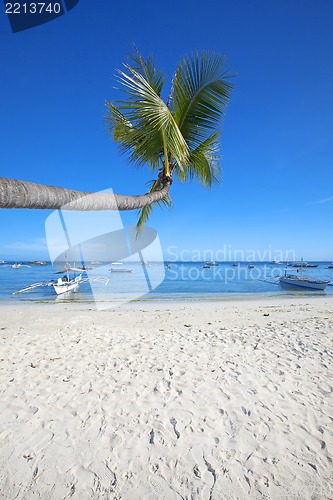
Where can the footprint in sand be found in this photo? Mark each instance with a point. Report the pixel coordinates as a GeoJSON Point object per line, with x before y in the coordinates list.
{"type": "Point", "coordinates": [246, 412]}
{"type": "Point", "coordinates": [196, 471]}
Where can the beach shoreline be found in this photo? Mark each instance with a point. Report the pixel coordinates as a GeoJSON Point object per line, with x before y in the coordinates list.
{"type": "Point", "coordinates": [171, 301]}
{"type": "Point", "coordinates": [199, 399]}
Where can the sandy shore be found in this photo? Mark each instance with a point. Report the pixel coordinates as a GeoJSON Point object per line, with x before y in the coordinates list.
{"type": "Point", "coordinates": [227, 400]}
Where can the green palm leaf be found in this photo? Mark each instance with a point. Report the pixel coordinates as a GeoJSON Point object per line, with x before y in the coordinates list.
{"type": "Point", "coordinates": [118, 124]}
{"type": "Point", "coordinates": [200, 95]}
{"type": "Point", "coordinates": [155, 130]}
{"type": "Point", "coordinates": [154, 77]}
{"type": "Point", "coordinates": [130, 139]}
{"type": "Point", "coordinates": [203, 163]}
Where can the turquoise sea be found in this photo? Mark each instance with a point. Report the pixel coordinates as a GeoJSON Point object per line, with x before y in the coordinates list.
{"type": "Point", "coordinates": [176, 281]}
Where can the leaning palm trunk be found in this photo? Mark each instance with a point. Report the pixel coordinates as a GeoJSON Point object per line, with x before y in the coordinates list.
{"type": "Point", "coordinates": [22, 194]}
{"type": "Point", "coordinates": [179, 138]}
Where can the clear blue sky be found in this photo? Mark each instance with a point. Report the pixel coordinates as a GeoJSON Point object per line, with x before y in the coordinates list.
{"type": "Point", "coordinates": [277, 185]}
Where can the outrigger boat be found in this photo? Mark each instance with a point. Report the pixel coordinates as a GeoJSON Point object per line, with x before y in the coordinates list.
{"type": "Point", "coordinates": [17, 265]}
{"type": "Point", "coordinates": [302, 264]}
{"type": "Point", "coordinates": [299, 280]}
{"type": "Point", "coordinates": [65, 283]}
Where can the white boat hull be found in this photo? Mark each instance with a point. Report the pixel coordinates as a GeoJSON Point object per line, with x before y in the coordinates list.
{"type": "Point", "coordinates": [66, 286]}
{"type": "Point", "coordinates": [304, 282]}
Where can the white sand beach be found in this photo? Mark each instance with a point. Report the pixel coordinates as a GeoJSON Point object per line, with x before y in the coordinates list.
{"type": "Point", "coordinates": [209, 400]}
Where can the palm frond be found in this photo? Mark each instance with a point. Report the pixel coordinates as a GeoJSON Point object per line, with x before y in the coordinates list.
{"type": "Point", "coordinates": [203, 163]}
{"type": "Point", "coordinates": [118, 124]}
{"type": "Point", "coordinates": [200, 95]}
{"type": "Point", "coordinates": [155, 128]}
{"type": "Point", "coordinates": [145, 212]}
{"type": "Point", "coordinates": [153, 75]}
{"type": "Point", "coordinates": [130, 139]}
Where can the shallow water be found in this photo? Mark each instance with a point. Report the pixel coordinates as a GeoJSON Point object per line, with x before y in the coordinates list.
{"type": "Point", "coordinates": [156, 281]}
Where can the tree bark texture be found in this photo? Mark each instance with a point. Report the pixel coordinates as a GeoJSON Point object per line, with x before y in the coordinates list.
{"type": "Point", "coordinates": [22, 194]}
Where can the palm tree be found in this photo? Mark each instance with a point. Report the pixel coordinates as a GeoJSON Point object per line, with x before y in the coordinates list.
{"type": "Point", "coordinates": [177, 138]}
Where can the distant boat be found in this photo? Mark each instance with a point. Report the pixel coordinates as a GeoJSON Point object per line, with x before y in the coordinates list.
{"type": "Point", "coordinates": [38, 262]}
{"type": "Point", "coordinates": [2, 262]}
{"type": "Point", "coordinates": [251, 265]}
{"type": "Point", "coordinates": [17, 265]}
{"type": "Point", "coordinates": [276, 262]}
{"type": "Point", "coordinates": [299, 280]}
{"type": "Point", "coordinates": [236, 264]}
{"type": "Point", "coordinates": [121, 270]}
{"type": "Point", "coordinates": [212, 263]}
{"type": "Point", "coordinates": [304, 264]}
{"type": "Point", "coordinates": [206, 266]}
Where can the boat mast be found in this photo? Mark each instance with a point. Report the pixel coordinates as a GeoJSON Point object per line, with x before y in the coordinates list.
{"type": "Point", "coordinates": [302, 266]}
